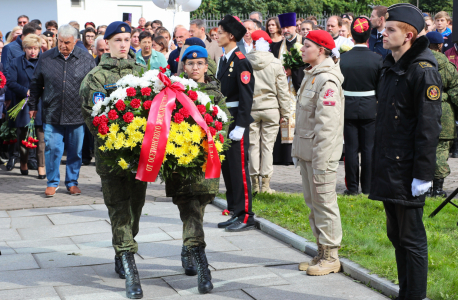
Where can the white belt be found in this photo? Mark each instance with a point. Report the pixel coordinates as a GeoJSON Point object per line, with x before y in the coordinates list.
{"type": "Point", "coordinates": [232, 104]}
{"type": "Point", "coordinates": [359, 94]}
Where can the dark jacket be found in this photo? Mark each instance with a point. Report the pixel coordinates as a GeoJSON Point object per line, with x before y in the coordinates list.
{"type": "Point", "coordinates": [2, 94]}
{"type": "Point", "coordinates": [234, 89]}
{"type": "Point", "coordinates": [361, 70]}
{"type": "Point", "coordinates": [376, 45]}
{"type": "Point", "coordinates": [407, 125]}
{"type": "Point", "coordinates": [19, 77]}
{"type": "Point", "coordinates": [172, 61]}
{"type": "Point", "coordinates": [61, 80]}
{"type": "Point", "coordinates": [10, 52]}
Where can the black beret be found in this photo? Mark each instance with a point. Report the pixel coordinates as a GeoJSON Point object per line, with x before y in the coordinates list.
{"type": "Point", "coordinates": [407, 13]}
{"type": "Point", "coordinates": [117, 27]}
{"type": "Point", "coordinates": [48, 34]}
{"type": "Point", "coordinates": [361, 29]}
{"type": "Point", "coordinates": [234, 26]}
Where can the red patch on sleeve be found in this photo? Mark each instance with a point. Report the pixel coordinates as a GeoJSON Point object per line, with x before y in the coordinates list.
{"type": "Point", "coordinates": [329, 103]}
{"type": "Point", "coordinates": [245, 77]}
{"type": "Point", "coordinates": [328, 94]}
{"type": "Point", "coordinates": [240, 55]}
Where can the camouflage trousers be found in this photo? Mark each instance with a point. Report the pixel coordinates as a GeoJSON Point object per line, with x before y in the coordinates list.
{"type": "Point", "coordinates": [124, 197]}
{"type": "Point", "coordinates": [192, 209]}
{"type": "Point", "coordinates": [442, 152]}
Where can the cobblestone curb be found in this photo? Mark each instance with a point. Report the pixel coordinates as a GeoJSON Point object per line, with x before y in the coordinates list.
{"type": "Point", "coordinates": [354, 270]}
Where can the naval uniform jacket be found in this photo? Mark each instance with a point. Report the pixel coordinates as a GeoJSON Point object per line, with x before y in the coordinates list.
{"type": "Point", "coordinates": [237, 85]}
{"type": "Point", "coordinates": [407, 125]}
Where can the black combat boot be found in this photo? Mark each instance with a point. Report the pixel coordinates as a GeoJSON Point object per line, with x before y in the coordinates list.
{"type": "Point", "coordinates": [454, 149]}
{"type": "Point", "coordinates": [133, 285]}
{"type": "Point", "coordinates": [188, 262]}
{"type": "Point", "coordinates": [204, 283]}
{"type": "Point", "coordinates": [119, 268]}
{"type": "Point", "coordinates": [438, 188]}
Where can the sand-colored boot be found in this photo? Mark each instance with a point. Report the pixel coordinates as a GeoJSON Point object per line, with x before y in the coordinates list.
{"type": "Point", "coordinates": [303, 266]}
{"type": "Point", "coordinates": [266, 186]}
{"type": "Point", "coordinates": [254, 184]}
{"type": "Point", "coordinates": [328, 263]}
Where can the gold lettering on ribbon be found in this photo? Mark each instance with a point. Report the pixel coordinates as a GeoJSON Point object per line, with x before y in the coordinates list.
{"type": "Point", "coordinates": [157, 133]}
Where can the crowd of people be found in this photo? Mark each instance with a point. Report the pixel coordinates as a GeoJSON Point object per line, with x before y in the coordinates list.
{"type": "Point", "coordinates": [384, 86]}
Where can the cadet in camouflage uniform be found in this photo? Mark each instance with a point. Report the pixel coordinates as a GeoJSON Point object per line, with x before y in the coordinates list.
{"type": "Point", "coordinates": [192, 195]}
{"type": "Point", "coordinates": [449, 76]}
{"type": "Point", "coordinates": [124, 196]}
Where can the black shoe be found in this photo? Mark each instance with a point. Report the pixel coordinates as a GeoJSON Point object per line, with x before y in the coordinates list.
{"type": "Point", "coordinates": [133, 285]}
{"type": "Point", "coordinates": [350, 193]}
{"type": "Point", "coordinates": [228, 222]}
{"type": "Point", "coordinates": [188, 262]}
{"type": "Point", "coordinates": [204, 278]}
{"type": "Point", "coordinates": [455, 154]}
{"type": "Point", "coordinates": [41, 176]}
{"type": "Point", "coordinates": [238, 226]}
{"type": "Point", "coordinates": [438, 188]}
{"type": "Point", "coordinates": [87, 161]}
{"type": "Point", "coordinates": [119, 268]}
{"type": "Point", "coordinates": [11, 162]}
{"type": "Point", "coordinates": [24, 172]}
{"type": "Point", "coordinates": [32, 165]}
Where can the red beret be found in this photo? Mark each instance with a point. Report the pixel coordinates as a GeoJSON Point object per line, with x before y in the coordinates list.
{"type": "Point", "coordinates": [256, 35]}
{"type": "Point", "coordinates": [322, 38]}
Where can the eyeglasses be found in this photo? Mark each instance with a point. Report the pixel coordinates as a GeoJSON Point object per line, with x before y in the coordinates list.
{"type": "Point", "coordinates": [198, 64]}
{"type": "Point", "coordinates": [23, 22]}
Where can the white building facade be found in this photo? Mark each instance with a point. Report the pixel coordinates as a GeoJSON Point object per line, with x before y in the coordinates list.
{"type": "Point", "coordinates": [101, 12]}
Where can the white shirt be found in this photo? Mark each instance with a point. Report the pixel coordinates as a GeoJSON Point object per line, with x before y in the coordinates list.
{"type": "Point", "coordinates": [360, 45]}
{"type": "Point", "coordinates": [228, 55]}
{"type": "Point", "coordinates": [380, 32]}
{"type": "Point", "coordinates": [343, 41]}
{"type": "Point", "coordinates": [248, 48]}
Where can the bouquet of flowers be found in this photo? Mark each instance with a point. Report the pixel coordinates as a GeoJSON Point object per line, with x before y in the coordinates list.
{"type": "Point", "coordinates": [31, 137]}
{"type": "Point", "coordinates": [345, 48]}
{"type": "Point", "coordinates": [293, 59]}
{"type": "Point", "coordinates": [15, 110]}
{"type": "Point", "coordinates": [8, 135]}
{"type": "Point", "coordinates": [155, 122]}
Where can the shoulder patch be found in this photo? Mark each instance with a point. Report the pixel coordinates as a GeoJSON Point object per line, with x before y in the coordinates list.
{"type": "Point", "coordinates": [329, 103]}
{"type": "Point", "coordinates": [425, 65]}
{"type": "Point", "coordinates": [110, 86]}
{"type": "Point", "coordinates": [433, 92]}
{"type": "Point", "coordinates": [245, 76]}
{"type": "Point", "coordinates": [240, 55]}
{"type": "Point", "coordinates": [328, 94]}
{"type": "Point", "coordinates": [98, 97]}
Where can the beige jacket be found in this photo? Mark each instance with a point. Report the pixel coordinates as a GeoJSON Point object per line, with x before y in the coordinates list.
{"type": "Point", "coordinates": [270, 85]}
{"type": "Point", "coordinates": [318, 135]}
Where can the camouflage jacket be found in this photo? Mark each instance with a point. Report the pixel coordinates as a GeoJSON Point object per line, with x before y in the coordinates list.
{"type": "Point", "coordinates": [102, 79]}
{"type": "Point", "coordinates": [449, 76]}
{"type": "Point", "coordinates": [199, 186]}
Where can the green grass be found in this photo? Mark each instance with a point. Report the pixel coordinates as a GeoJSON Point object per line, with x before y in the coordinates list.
{"type": "Point", "coordinates": [364, 235]}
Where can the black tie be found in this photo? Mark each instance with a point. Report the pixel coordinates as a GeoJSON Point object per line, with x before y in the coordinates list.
{"type": "Point", "coordinates": [379, 36]}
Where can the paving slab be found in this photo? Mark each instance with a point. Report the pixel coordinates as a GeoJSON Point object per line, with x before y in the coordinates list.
{"type": "Point", "coordinates": [159, 221]}
{"type": "Point", "coordinates": [41, 246]}
{"type": "Point", "coordinates": [17, 262]}
{"type": "Point", "coordinates": [4, 214]}
{"type": "Point", "coordinates": [227, 280]}
{"type": "Point", "coordinates": [30, 222]}
{"type": "Point", "coordinates": [9, 235]}
{"type": "Point", "coordinates": [259, 241]}
{"type": "Point", "coordinates": [5, 249]}
{"type": "Point", "coordinates": [231, 295]}
{"type": "Point", "coordinates": [46, 232]}
{"type": "Point", "coordinates": [160, 209]}
{"type": "Point", "coordinates": [5, 223]}
{"type": "Point", "coordinates": [39, 293]}
{"type": "Point", "coordinates": [47, 211]}
{"type": "Point", "coordinates": [75, 258]}
{"type": "Point", "coordinates": [79, 217]}
{"type": "Point", "coordinates": [210, 229]}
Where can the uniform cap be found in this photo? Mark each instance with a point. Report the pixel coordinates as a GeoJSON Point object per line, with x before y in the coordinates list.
{"type": "Point", "coordinates": [435, 37]}
{"type": "Point", "coordinates": [194, 52]}
{"type": "Point", "coordinates": [361, 29]}
{"type": "Point", "coordinates": [48, 34]}
{"type": "Point", "coordinates": [117, 27]}
{"type": "Point", "coordinates": [287, 20]}
{"type": "Point", "coordinates": [193, 41]}
{"type": "Point", "coordinates": [321, 38]}
{"type": "Point", "coordinates": [407, 13]}
{"type": "Point", "coordinates": [232, 25]}
{"type": "Point", "coordinates": [256, 35]}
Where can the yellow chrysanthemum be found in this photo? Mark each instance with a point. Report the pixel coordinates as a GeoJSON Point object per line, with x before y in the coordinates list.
{"type": "Point", "coordinates": [179, 152]}
{"type": "Point", "coordinates": [119, 144]}
{"type": "Point", "coordinates": [195, 150]}
{"type": "Point", "coordinates": [114, 128]}
{"type": "Point", "coordinates": [102, 136]}
{"type": "Point", "coordinates": [112, 137]}
{"type": "Point", "coordinates": [174, 126]}
{"type": "Point", "coordinates": [170, 148]}
{"type": "Point", "coordinates": [137, 136]}
{"type": "Point", "coordinates": [109, 145]}
{"type": "Point", "coordinates": [183, 126]}
{"type": "Point", "coordinates": [222, 158]}
{"type": "Point", "coordinates": [102, 148]}
{"type": "Point", "coordinates": [179, 139]}
{"type": "Point", "coordinates": [123, 164]}
{"type": "Point", "coordinates": [121, 136]}
{"type": "Point", "coordinates": [219, 146]}
{"type": "Point", "coordinates": [137, 122]}
{"type": "Point", "coordinates": [129, 144]}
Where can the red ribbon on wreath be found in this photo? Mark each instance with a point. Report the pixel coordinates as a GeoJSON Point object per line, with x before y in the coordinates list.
{"type": "Point", "coordinates": [157, 132]}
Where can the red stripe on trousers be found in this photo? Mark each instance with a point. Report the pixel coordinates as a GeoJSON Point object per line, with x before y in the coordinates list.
{"type": "Point", "coordinates": [245, 186]}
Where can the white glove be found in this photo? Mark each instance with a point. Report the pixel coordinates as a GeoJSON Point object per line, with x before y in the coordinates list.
{"type": "Point", "coordinates": [419, 187]}
{"type": "Point", "coordinates": [237, 133]}
{"type": "Point", "coordinates": [295, 161]}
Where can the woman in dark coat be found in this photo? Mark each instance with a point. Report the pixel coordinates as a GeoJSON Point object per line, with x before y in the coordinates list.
{"type": "Point", "coordinates": [20, 74]}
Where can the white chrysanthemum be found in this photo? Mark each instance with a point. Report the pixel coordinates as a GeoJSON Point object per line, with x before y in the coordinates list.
{"type": "Point", "coordinates": [144, 83]}
{"type": "Point", "coordinates": [106, 101]}
{"type": "Point", "coordinates": [125, 81]}
{"type": "Point", "coordinates": [203, 98]}
{"type": "Point", "coordinates": [119, 93]}
{"type": "Point", "coordinates": [96, 108]}
{"type": "Point", "coordinates": [187, 83]}
{"type": "Point", "coordinates": [107, 109]}
{"type": "Point", "coordinates": [158, 86]}
{"type": "Point", "coordinates": [150, 75]}
{"type": "Point", "coordinates": [221, 114]}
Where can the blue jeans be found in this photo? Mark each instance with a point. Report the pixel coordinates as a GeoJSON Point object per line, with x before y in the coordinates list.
{"type": "Point", "coordinates": [54, 140]}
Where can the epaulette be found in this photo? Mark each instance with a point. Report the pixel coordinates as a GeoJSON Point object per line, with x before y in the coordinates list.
{"type": "Point", "coordinates": [424, 64]}
{"type": "Point", "coordinates": [240, 55]}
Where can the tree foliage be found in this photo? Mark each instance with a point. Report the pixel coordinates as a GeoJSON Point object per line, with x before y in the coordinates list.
{"type": "Point", "coordinates": [434, 5]}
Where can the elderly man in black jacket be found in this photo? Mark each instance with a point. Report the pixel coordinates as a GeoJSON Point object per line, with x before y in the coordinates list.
{"type": "Point", "coordinates": [57, 80]}
{"type": "Point", "coordinates": [407, 132]}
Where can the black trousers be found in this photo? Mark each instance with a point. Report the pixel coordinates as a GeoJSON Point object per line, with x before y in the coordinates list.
{"type": "Point", "coordinates": [88, 143]}
{"type": "Point", "coordinates": [236, 178]}
{"type": "Point", "coordinates": [407, 233]}
{"type": "Point", "coordinates": [359, 135]}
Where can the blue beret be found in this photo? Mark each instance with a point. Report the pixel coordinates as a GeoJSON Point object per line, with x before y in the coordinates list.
{"type": "Point", "coordinates": [194, 52]}
{"type": "Point", "coordinates": [194, 42]}
{"type": "Point", "coordinates": [435, 37]}
{"type": "Point", "coordinates": [407, 13]}
{"type": "Point", "coordinates": [117, 27]}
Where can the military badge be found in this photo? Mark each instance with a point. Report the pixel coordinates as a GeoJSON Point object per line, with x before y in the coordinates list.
{"type": "Point", "coordinates": [329, 93]}
{"type": "Point", "coordinates": [425, 65]}
{"type": "Point", "coordinates": [246, 77]}
{"type": "Point", "coordinates": [110, 86]}
{"type": "Point", "coordinates": [329, 103]}
{"type": "Point", "coordinates": [194, 55]}
{"type": "Point", "coordinates": [123, 29]}
{"type": "Point", "coordinates": [387, 15]}
{"type": "Point", "coordinates": [97, 97]}
{"type": "Point", "coordinates": [433, 92]}
{"type": "Point", "coordinates": [232, 64]}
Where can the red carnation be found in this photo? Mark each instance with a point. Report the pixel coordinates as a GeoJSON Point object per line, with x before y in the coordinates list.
{"type": "Point", "coordinates": [147, 104]}
{"type": "Point", "coordinates": [218, 125]}
{"type": "Point", "coordinates": [103, 129]}
{"type": "Point", "coordinates": [103, 119]}
{"type": "Point", "coordinates": [131, 92]}
{"type": "Point", "coordinates": [135, 103]}
{"type": "Point", "coordinates": [178, 118]}
{"type": "Point", "coordinates": [215, 111]}
{"type": "Point", "coordinates": [212, 131]}
{"type": "Point", "coordinates": [96, 121]}
{"type": "Point", "coordinates": [2, 80]}
{"type": "Point", "coordinates": [112, 115]}
{"type": "Point", "coordinates": [24, 142]}
{"type": "Point", "coordinates": [146, 91]}
{"type": "Point", "coordinates": [192, 95]}
{"type": "Point", "coordinates": [177, 59]}
{"type": "Point", "coordinates": [120, 105]}
{"type": "Point", "coordinates": [184, 112]}
{"type": "Point", "coordinates": [208, 119]}
{"type": "Point", "coordinates": [30, 139]}
{"type": "Point", "coordinates": [201, 108]}
{"type": "Point", "coordinates": [221, 138]}
{"type": "Point", "coordinates": [128, 117]}
{"type": "Point", "coordinates": [14, 141]}
{"type": "Point", "coordinates": [168, 67]}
